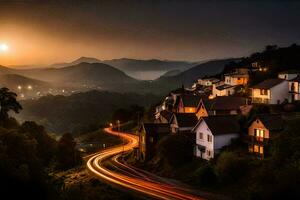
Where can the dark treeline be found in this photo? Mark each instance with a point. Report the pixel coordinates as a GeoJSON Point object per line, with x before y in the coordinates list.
{"type": "Point", "coordinates": [83, 112]}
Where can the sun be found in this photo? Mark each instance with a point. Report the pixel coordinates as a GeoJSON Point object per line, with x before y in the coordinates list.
{"type": "Point", "coordinates": [4, 47]}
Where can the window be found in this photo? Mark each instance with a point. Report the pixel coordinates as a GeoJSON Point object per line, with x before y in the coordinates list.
{"type": "Point", "coordinates": [259, 133]}
{"type": "Point", "coordinates": [201, 136]}
{"type": "Point", "coordinates": [208, 153]}
{"type": "Point", "coordinates": [263, 92]}
{"type": "Point", "coordinates": [256, 148]}
{"type": "Point", "coordinates": [261, 150]}
{"type": "Point", "coordinates": [209, 138]}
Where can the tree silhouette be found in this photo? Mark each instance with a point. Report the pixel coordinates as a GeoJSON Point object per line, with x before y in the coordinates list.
{"type": "Point", "coordinates": [8, 102]}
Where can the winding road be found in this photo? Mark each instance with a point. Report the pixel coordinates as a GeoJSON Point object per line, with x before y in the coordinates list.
{"type": "Point", "coordinates": [106, 166]}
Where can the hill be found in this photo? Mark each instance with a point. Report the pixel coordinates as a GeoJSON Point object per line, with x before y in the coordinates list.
{"type": "Point", "coordinates": [79, 111]}
{"type": "Point", "coordinates": [13, 80]}
{"type": "Point", "coordinates": [140, 69]}
{"type": "Point", "coordinates": [81, 75]}
{"type": "Point", "coordinates": [187, 77]}
{"type": "Point", "coordinates": [171, 73]}
{"type": "Point", "coordinates": [127, 64]}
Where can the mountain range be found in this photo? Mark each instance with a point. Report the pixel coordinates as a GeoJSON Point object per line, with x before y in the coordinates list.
{"type": "Point", "coordinates": [103, 76]}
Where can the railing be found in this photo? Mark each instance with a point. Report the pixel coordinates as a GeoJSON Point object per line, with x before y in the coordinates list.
{"type": "Point", "coordinates": [260, 100]}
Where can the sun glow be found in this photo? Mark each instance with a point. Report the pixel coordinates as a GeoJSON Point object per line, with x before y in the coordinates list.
{"type": "Point", "coordinates": [4, 47]}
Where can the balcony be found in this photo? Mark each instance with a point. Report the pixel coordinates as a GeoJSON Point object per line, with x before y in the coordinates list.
{"type": "Point", "coordinates": [260, 100]}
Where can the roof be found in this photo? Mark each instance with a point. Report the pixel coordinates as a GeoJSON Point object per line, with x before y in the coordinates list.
{"type": "Point", "coordinates": [221, 124]}
{"type": "Point", "coordinates": [186, 119]}
{"type": "Point", "coordinates": [291, 71]}
{"type": "Point", "coordinates": [190, 100]}
{"type": "Point", "coordinates": [297, 79]}
{"type": "Point", "coordinates": [269, 83]}
{"type": "Point", "coordinates": [226, 103]}
{"type": "Point", "coordinates": [166, 114]}
{"type": "Point", "coordinates": [224, 86]}
{"type": "Point", "coordinates": [156, 128]}
{"type": "Point", "coordinates": [273, 122]}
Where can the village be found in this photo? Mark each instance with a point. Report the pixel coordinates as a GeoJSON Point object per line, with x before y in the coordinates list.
{"type": "Point", "coordinates": [210, 112]}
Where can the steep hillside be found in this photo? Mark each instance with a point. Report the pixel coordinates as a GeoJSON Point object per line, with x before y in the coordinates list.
{"type": "Point", "coordinates": [189, 76]}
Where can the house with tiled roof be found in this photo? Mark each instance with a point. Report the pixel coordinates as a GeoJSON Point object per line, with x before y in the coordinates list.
{"type": "Point", "coordinates": [213, 133]}
{"type": "Point", "coordinates": [188, 103]}
{"type": "Point", "coordinates": [226, 105]}
{"type": "Point", "coordinates": [182, 122]}
{"type": "Point", "coordinates": [270, 91]}
{"type": "Point", "coordinates": [149, 135]}
{"type": "Point", "coordinates": [261, 129]}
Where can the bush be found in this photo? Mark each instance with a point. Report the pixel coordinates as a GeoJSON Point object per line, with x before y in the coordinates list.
{"type": "Point", "coordinates": [176, 149]}
{"type": "Point", "coordinates": [230, 166]}
{"type": "Point", "coordinates": [206, 176]}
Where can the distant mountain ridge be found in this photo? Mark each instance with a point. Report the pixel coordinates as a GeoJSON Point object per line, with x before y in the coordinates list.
{"type": "Point", "coordinates": [188, 77]}
{"type": "Point", "coordinates": [106, 77]}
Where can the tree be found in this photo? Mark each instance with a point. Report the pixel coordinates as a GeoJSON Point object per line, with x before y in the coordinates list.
{"type": "Point", "coordinates": [67, 155]}
{"type": "Point", "coordinates": [8, 102]}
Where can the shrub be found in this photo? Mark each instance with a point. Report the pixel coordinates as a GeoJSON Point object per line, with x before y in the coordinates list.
{"type": "Point", "coordinates": [206, 176]}
{"type": "Point", "coordinates": [176, 149]}
{"type": "Point", "coordinates": [230, 166]}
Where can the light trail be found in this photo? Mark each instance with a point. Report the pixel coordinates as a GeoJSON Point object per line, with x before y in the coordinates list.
{"type": "Point", "coordinates": [134, 179]}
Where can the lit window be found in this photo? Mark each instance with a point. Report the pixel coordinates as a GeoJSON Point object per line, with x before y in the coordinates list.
{"type": "Point", "coordinates": [256, 148]}
{"type": "Point", "coordinates": [261, 150]}
{"type": "Point", "coordinates": [261, 132]}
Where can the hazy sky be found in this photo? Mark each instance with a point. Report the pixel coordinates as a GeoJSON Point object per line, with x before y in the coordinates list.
{"type": "Point", "coordinates": [57, 31]}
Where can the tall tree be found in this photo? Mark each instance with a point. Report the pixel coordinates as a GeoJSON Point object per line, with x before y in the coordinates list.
{"type": "Point", "coordinates": [67, 156]}
{"type": "Point", "coordinates": [8, 101]}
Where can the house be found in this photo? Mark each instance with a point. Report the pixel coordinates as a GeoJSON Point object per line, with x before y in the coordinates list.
{"type": "Point", "coordinates": [227, 105]}
{"type": "Point", "coordinates": [261, 129]}
{"type": "Point", "coordinates": [207, 81]}
{"type": "Point", "coordinates": [270, 91]}
{"type": "Point", "coordinates": [222, 90]}
{"type": "Point", "coordinates": [202, 111]}
{"type": "Point", "coordinates": [213, 133]}
{"type": "Point", "coordinates": [294, 89]}
{"type": "Point", "coordinates": [188, 104]}
{"type": "Point", "coordinates": [149, 135]}
{"type": "Point", "coordinates": [289, 74]}
{"type": "Point", "coordinates": [236, 79]}
{"type": "Point", "coordinates": [182, 122]}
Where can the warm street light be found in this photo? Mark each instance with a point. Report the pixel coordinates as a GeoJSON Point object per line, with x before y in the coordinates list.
{"type": "Point", "coordinates": [29, 87]}
{"type": "Point", "coordinates": [19, 87]}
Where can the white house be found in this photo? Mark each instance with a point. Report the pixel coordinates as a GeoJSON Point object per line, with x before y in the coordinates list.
{"type": "Point", "coordinates": [288, 75]}
{"type": "Point", "coordinates": [236, 79]}
{"type": "Point", "coordinates": [222, 90]}
{"type": "Point", "coordinates": [294, 89]}
{"type": "Point", "coordinates": [207, 81]}
{"type": "Point", "coordinates": [270, 91]}
{"type": "Point", "coordinates": [213, 133]}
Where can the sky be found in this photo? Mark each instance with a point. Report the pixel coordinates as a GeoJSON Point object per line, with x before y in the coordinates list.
{"type": "Point", "coordinates": [46, 32]}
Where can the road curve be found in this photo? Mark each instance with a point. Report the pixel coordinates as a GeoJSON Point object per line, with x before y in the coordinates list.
{"type": "Point", "coordinates": [133, 178]}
